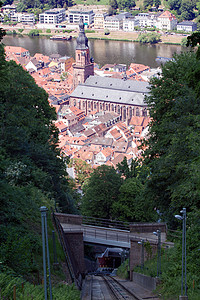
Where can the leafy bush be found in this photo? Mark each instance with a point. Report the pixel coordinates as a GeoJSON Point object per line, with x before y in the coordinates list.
{"type": "Point", "coordinates": [67, 30]}
{"type": "Point", "coordinates": [123, 270]}
{"type": "Point", "coordinates": [20, 30]}
{"type": "Point", "coordinates": [8, 32]}
{"type": "Point", "coordinates": [48, 31]}
{"type": "Point", "coordinates": [148, 38]}
{"type": "Point", "coordinates": [34, 32]}
{"type": "Point", "coordinates": [184, 42]}
{"type": "Point", "coordinates": [89, 31]}
{"type": "Point", "coordinates": [106, 31]}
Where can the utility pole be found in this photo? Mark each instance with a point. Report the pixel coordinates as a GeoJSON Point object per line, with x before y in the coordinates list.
{"type": "Point", "coordinates": [45, 248]}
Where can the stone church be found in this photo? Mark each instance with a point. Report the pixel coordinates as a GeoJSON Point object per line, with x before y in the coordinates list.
{"type": "Point", "coordinates": [122, 96]}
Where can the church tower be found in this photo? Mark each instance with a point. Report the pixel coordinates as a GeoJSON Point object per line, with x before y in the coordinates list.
{"type": "Point", "coordinates": [83, 67]}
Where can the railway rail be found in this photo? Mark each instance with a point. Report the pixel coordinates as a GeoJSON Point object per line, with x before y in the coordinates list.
{"type": "Point", "coordinates": [118, 291]}
{"type": "Point", "coordinates": [105, 287]}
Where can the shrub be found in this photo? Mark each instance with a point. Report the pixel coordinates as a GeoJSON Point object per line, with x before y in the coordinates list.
{"type": "Point", "coordinates": [148, 38]}
{"type": "Point", "coordinates": [48, 31]}
{"type": "Point", "coordinates": [34, 32]}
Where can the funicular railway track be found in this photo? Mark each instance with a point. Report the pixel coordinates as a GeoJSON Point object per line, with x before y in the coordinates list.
{"type": "Point", "coordinates": [105, 287]}
{"type": "Point", "coordinates": [118, 291]}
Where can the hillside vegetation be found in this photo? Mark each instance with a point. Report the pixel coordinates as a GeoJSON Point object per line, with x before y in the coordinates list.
{"type": "Point", "coordinates": [32, 175]}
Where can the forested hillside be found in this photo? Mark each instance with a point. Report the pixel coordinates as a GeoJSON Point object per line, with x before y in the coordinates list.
{"type": "Point", "coordinates": [32, 172]}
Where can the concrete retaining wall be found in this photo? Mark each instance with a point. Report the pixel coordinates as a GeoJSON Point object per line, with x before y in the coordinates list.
{"type": "Point", "coordinates": [146, 282]}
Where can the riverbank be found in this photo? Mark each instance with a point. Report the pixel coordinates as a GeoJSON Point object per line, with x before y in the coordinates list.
{"type": "Point", "coordinates": [99, 34]}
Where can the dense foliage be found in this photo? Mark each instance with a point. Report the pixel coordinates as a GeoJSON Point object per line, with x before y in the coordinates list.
{"type": "Point", "coordinates": [24, 5]}
{"type": "Point", "coordinates": [32, 173]}
{"type": "Point", "coordinates": [100, 192]}
{"type": "Point", "coordinates": [117, 194]}
{"type": "Point", "coordinates": [148, 38]}
{"type": "Point", "coordinates": [173, 146]}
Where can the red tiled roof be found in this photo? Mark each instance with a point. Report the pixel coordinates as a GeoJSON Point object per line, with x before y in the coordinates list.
{"type": "Point", "coordinates": [167, 14]}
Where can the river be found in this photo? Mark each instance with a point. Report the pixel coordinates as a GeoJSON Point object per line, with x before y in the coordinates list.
{"type": "Point", "coordinates": [103, 51]}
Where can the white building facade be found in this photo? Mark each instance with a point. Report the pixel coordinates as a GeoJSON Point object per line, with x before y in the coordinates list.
{"type": "Point", "coordinates": [53, 16]}
{"type": "Point", "coordinates": [166, 21]}
{"type": "Point", "coordinates": [130, 24]}
{"type": "Point", "coordinates": [87, 15]}
{"type": "Point", "coordinates": [23, 18]}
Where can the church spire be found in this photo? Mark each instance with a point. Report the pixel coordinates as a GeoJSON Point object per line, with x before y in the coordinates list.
{"type": "Point", "coordinates": [82, 40]}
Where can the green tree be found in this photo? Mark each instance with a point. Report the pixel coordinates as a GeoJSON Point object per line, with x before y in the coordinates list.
{"type": "Point", "coordinates": [100, 192]}
{"type": "Point", "coordinates": [157, 3]}
{"type": "Point", "coordinates": [148, 38]}
{"type": "Point", "coordinates": [122, 4]}
{"type": "Point", "coordinates": [147, 3]}
{"type": "Point", "coordinates": [113, 4]}
{"type": "Point", "coordinates": [175, 5]}
{"type": "Point", "coordinates": [130, 206]}
{"type": "Point", "coordinates": [82, 170]}
{"type": "Point", "coordinates": [184, 42]}
{"type": "Point", "coordinates": [34, 32]}
{"type": "Point", "coordinates": [126, 171]}
{"type": "Point", "coordinates": [187, 10]}
{"type": "Point", "coordinates": [173, 146]}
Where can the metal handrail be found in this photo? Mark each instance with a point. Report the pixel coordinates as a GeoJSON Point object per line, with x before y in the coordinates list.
{"type": "Point", "coordinates": [105, 222]}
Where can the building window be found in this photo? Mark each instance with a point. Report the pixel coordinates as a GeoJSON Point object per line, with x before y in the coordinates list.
{"type": "Point", "coordinates": [106, 106]}
{"type": "Point", "coordinates": [74, 102]}
{"type": "Point", "coordinates": [101, 107]}
{"type": "Point", "coordinates": [137, 112]}
{"type": "Point", "coordinates": [130, 112]}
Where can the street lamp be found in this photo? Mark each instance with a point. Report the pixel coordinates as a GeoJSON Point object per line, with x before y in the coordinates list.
{"type": "Point", "coordinates": [158, 234]}
{"type": "Point", "coordinates": [142, 254]}
{"type": "Point", "coordinates": [183, 218]}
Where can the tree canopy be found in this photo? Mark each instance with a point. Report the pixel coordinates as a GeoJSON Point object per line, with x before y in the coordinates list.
{"type": "Point", "coordinates": [100, 192]}
{"type": "Point", "coordinates": [32, 171]}
{"type": "Point", "coordinates": [173, 145]}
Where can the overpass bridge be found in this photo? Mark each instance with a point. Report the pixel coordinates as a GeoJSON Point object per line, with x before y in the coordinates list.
{"type": "Point", "coordinates": [110, 233]}
{"type": "Point", "coordinates": [76, 230]}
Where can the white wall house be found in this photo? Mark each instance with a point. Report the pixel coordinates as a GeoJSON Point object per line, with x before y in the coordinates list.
{"type": "Point", "coordinates": [146, 20]}
{"type": "Point", "coordinates": [113, 23]}
{"type": "Point", "coordinates": [130, 24]}
{"type": "Point", "coordinates": [166, 21]}
{"type": "Point", "coordinates": [187, 26]}
{"type": "Point", "coordinates": [99, 20]}
{"type": "Point", "coordinates": [87, 15]}
{"type": "Point", "coordinates": [53, 16]}
{"type": "Point", "coordinates": [23, 18]}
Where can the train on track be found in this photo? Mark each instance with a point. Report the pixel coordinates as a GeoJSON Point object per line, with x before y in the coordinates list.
{"type": "Point", "coordinates": [112, 258]}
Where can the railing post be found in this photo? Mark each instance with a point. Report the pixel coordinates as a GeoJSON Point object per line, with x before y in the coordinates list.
{"type": "Point", "coordinates": [14, 292]}
{"type": "Point", "coordinates": [22, 288]}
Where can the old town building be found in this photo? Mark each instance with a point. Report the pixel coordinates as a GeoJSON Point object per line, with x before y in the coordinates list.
{"type": "Point", "coordinates": [84, 66]}
{"type": "Point", "coordinates": [103, 94]}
